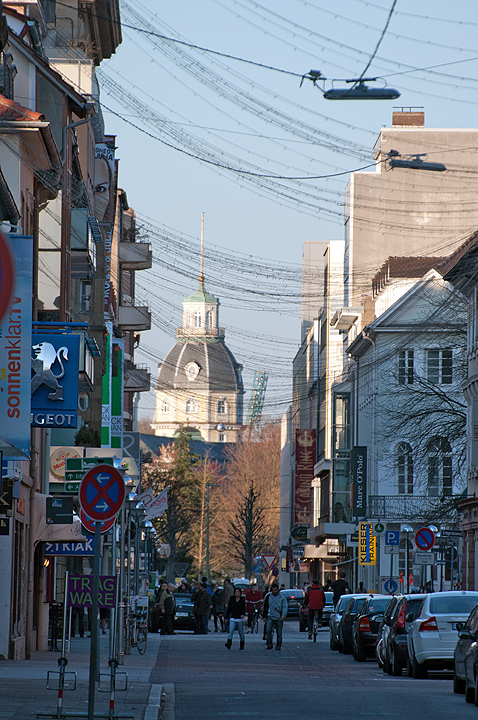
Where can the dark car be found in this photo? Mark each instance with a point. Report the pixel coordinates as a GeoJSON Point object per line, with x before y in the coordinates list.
{"type": "Point", "coordinates": [335, 618]}
{"type": "Point", "coordinates": [327, 611]}
{"type": "Point", "coordinates": [395, 650]}
{"type": "Point", "coordinates": [183, 617]}
{"type": "Point", "coordinates": [383, 632]}
{"type": "Point", "coordinates": [295, 600]}
{"type": "Point", "coordinates": [365, 626]}
{"type": "Point", "coordinates": [350, 612]}
{"type": "Point", "coordinates": [466, 659]}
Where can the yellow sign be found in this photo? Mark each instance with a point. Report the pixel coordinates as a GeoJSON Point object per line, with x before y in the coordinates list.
{"type": "Point", "coordinates": [367, 544]}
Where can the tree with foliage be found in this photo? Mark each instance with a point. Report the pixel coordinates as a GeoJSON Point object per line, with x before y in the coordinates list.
{"type": "Point", "coordinates": [176, 469]}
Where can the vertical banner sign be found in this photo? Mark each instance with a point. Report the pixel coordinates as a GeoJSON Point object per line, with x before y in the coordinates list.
{"type": "Point", "coordinates": [15, 346]}
{"type": "Point", "coordinates": [106, 390]}
{"type": "Point", "coordinates": [367, 544]}
{"type": "Point", "coordinates": [304, 474]}
{"type": "Point", "coordinates": [358, 464]}
{"type": "Point", "coordinates": [112, 395]}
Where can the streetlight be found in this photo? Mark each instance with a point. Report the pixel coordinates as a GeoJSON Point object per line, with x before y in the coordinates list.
{"type": "Point", "coordinates": [407, 529]}
{"type": "Point", "coordinates": [208, 486]}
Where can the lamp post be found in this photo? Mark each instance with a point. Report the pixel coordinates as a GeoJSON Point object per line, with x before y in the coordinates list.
{"type": "Point", "coordinates": [407, 529]}
{"type": "Point", "coordinates": [208, 487]}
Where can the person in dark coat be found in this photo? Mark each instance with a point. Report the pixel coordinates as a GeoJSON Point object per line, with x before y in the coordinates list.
{"type": "Point", "coordinates": [218, 607]}
{"type": "Point", "coordinates": [202, 609]}
{"type": "Point", "coordinates": [340, 587]}
{"type": "Point", "coordinates": [236, 610]}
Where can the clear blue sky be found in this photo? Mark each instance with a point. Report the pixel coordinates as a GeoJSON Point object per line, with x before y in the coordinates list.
{"type": "Point", "coordinates": [179, 104]}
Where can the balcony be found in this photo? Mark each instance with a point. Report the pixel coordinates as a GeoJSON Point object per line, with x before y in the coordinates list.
{"type": "Point", "coordinates": [135, 256]}
{"type": "Point", "coordinates": [137, 378]}
{"type": "Point", "coordinates": [134, 318]}
{"type": "Point", "coordinates": [194, 332]}
{"type": "Point", "coordinates": [421, 508]}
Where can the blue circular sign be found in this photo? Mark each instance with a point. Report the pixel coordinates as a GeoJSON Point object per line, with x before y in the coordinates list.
{"type": "Point", "coordinates": [102, 492]}
{"type": "Point", "coordinates": [425, 539]}
{"type": "Point", "coordinates": [390, 586]}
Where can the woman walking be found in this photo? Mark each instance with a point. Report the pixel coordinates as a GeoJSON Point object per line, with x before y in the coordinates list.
{"type": "Point", "coordinates": [236, 610]}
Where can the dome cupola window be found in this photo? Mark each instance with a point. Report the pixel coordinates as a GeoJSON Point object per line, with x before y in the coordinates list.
{"type": "Point", "coordinates": [191, 406]}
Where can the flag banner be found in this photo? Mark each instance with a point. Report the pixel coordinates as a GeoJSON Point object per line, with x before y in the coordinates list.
{"type": "Point", "coordinates": [158, 506]}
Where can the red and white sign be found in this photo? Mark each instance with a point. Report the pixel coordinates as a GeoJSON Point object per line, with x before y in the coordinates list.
{"type": "Point", "coordinates": [425, 538]}
{"type": "Point", "coordinates": [269, 560]}
{"type": "Point", "coordinates": [102, 492]}
{"type": "Point", "coordinates": [90, 524]}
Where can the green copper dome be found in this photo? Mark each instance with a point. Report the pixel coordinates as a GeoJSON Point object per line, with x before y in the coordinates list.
{"type": "Point", "coordinates": [201, 295]}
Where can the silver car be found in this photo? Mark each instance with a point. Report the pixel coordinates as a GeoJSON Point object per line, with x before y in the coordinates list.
{"type": "Point", "coordinates": [433, 635]}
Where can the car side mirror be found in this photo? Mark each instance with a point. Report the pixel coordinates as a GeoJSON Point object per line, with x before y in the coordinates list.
{"type": "Point", "coordinates": [353, 615]}
{"type": "Point", "coordinates": [460, 625]}
{"type": "Point", "coordinates": [410, 617]}
{"type": "Point", "coordinates": [466, 634]}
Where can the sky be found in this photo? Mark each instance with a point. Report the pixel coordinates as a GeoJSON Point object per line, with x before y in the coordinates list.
{"type": "Point", "coordinates": [237, 134]}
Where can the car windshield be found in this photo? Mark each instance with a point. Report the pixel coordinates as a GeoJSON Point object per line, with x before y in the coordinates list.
{"type": "Point", "coordinates": [463, 604]}
{"type": "Point", "coordinates": [343, 602]}
{"type": "Point", "coordinates": [358, 602]}
{"type": "Point", "coordinates": [329, 598]}
{"type": "Point", "coordinates": [377, 605]}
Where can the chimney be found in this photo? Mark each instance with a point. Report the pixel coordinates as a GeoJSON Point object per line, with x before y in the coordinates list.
{"type": "Point", "coordinates": [406, 117]}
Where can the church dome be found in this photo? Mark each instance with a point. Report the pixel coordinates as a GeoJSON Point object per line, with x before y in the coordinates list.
{"type": "Point", "coordinates": [200, 366]}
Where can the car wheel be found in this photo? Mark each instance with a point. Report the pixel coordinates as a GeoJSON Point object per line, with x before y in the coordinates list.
{"type": "Point", "coordinates": [419, 671]}
{"type": "Point", "coordinates": [396, 666]}
{"type": "Point", "coordinates": [333, 644]}
{"type": "Point", "coordinates": [359, 654]}
{"type": "Point", "coordinates": [409, 668]}
{"type": "Point", "coordinates": [458, 684]}
{"type": "Point", "coordinates": [469, 693]}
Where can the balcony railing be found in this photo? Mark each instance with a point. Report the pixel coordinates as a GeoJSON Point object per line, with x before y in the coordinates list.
{"type": "Point", "coordinates": [135, 256]}
{"type": "Point", "coordinates": [134, 318]}
{"type": "Point", "coordinates": [137, 378]}
{"type": "Point", "coordinates": [412, 507]}
{"type": "Point", "coordinates": [200, 332]}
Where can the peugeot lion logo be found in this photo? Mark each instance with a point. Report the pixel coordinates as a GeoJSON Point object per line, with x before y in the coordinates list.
{"type": "Point", "coordinates": [45, 356]}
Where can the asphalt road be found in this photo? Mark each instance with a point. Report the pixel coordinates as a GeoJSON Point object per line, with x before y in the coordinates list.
{"type": "Point", "coordinates": [303, 680]}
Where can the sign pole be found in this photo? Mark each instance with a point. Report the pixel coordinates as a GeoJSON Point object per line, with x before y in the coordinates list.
{"type": "Point", "coordinates": [94, 623]}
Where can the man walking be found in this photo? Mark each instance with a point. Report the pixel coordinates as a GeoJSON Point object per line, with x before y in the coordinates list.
{"type": "Point", "coordinates": [340, 587]}
{"type": "Point", "coordinates": [276, 609]}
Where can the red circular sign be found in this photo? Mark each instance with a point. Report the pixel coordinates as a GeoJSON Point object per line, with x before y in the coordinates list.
{"type": "Point", "coordinates": [425, 538]}
{"type": "Point", "coordinates": [7, 275]}
{"type": "Point", "coordinates": [90, 524]}
{"type": "Point", "coordinates": [102, 492]}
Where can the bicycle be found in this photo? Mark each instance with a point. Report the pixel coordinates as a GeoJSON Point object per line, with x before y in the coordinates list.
{"type": "Point", "coordinates": [255, 616]}
{"type": "Point", "coordinates": [136, 629]}
{"type": "Point", "coordinates": [315, 626]}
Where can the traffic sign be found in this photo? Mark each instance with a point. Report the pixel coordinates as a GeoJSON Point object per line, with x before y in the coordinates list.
{"type": "Point", "coordinates": [269, 560]}
{"type": "Point", "coordinates": [392, 537]}
{"type": "Point", "coordinates": [425, 539]}
{"type": "Point", "coordinates": [102, 492]}
{"type": "Point", "coordinates": [424, 558]}
{"type": "Point", "coordinates": [379, 528]}
{"type": "Point", "coordinates": [275, 572]}
{"type": "Point", "coordinates": [390, 586]}
{"type": "Point", "coordinates": [257, 569]}
{"type": "Point", "coordinates": [89, 524]}
{"type": "Point", "coordinates": [72, 487]}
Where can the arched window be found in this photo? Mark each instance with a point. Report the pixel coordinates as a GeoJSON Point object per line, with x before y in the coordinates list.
{"type": "Point", "coordinates": [165, 406]}
{"type": "Point", "coordinates": [197, 318]}
{"type": "Point", "coordinates": [209, 319]}
{"type": "Point", "coordinates": [191, 406]}
{"type": "Point", "coordinates": [405, 469]}
{"type": "Point", "coordinates": [221, 407]}
{"type": "Point", "coordinates": [439, 468]}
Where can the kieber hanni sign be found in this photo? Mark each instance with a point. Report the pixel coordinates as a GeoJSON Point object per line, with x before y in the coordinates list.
{"type": "Point", "coordinates": [80, 589]}
{"type": "Point", "coordinates": [358, 465]}
{"type": "Point", "coordinates": [304, 474]}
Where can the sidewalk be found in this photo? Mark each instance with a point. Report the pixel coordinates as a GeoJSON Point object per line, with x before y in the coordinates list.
{"type": "Point", "coordinates": [23, 690]}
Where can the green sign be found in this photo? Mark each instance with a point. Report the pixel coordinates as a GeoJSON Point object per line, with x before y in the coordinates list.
{"type": "Point", "coordinates": [299, 532]}
{"type": "Point", "coordinates": [75, 476]}
{"type": "Point", "coordinates": [86, 464]}
{"type": "Point", "coordinates": [379, 528]}
{"type": "Point", "coordinates": [72, 487]}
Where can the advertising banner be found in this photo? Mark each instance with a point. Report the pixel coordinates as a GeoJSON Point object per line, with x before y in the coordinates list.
{"type": "Point", "coordinates": [358, 466]}
{"type": "Point", "coordinates": [80, 588]}
{"type": "Point", "coordinates": [15, 350]}
{"type": "Point", "coordinates": [367, 544]}
{"type": "Point", "coordinates": [54, 380]}
{"type": "Point", "coordinates": [304, 474]}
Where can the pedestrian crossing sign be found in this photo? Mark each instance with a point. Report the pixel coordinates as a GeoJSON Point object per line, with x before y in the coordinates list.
{"type": "Point", "coordinates": [367, 544]}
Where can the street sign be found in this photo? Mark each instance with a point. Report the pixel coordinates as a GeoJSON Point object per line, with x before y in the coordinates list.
{"type": "Point", "coordinates": [379, 528]}
{"type": "Point", "coordinates": [257, 569]}
{"type": "Point", "coordinates": [275, 572]}
{"type": "Point", "coordinates": [425, 539]}
{"type": "Point", "coordinates": [451, 533]}
{"type": "Point", "coordinates": [72, 487]}
{"type": "Point", "coordinates": [390, 549]}
{"type": "Point", "coordinates": [89, 524]}
{"type": "Point", "coordinates": [269, 560]}
{"type": "Point", "coordinates": [424, 558]}
{"type": "Point", "coordinates": [392, 537]}
{"type": "Point", "coordinates": [59, 510]}
{"type": "Point", "coordinates": [102, 492]}
{"type": "Point", "coordinates": [391, 586]}
{"type": "Point", "coordinates": [73, 548]}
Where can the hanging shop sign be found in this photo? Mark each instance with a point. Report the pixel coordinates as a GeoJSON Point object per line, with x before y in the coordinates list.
{"type": "Point", "coordinates": [304, 474]}
{"type": "Point", "coordinates": [54, 382]}
{"type": "Point", "coordinates": [367, 544]}
{"type": "Point", "coordinates": [358, 465]}
{"type": "Point", "coordinates": [80, 590]}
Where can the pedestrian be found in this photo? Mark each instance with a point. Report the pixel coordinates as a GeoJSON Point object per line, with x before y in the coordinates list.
{"type": "Point", "coordinates": [104, 619]}
{"type": "Point", "coordinates": [276, 612]}
{"type": "Point", "coordinates": [315, 601]}
{"type": "Point", "coordinates": [327, 585]}
{"type": "Point", "coordinates": [218, 606]}
{"type": "Point", "coordinates": [78, 613]}
{"type": "Point", "coordinates": [183, 587]}
{"type": "Point", "coordinates": [228, 591]}
{"type": "Point", "coordinates": [202, 609]}
{"type": "Point", "coordinates": [361, 588]}
{"type": "Point", "coordinates": [253, 602]}
{"type": "Point", "coordinates": [340, 587]}
{"type": "Point", "coordinates": [167, 606]}
{"type": "Point", "coordinates": [236, 610]}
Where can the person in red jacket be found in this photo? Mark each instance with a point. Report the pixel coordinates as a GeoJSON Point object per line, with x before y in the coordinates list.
{"type": "Point", "coordinates": [315, 600]}
{"type": "Point", "coordinates": [253, 602]}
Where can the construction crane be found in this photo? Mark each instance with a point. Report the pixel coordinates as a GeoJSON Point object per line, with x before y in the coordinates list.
{"type": "Point", "coordinates": [256, 402]}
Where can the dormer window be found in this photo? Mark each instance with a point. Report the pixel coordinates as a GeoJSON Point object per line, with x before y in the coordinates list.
{"type": "Point", "coordinates": [209, 319]}
{"type": "Point", "coordinates": [197, 319]}
{"type": "Point", "coordinates": [221, 407]}
{"type": "Point", "coordinates": [191, 406]}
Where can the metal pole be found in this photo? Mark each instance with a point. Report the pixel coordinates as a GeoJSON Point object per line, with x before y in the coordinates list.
{"type": "Point", "coordinates": [94, 623]}
{"type": "Point", "coordinates": [407, 564]}
{"type": "Point", "coordinates": [391, 567]}
{"type": "Point", "coordinates": [207, 532]}
{"type": "Point", "coordinates": [121, 592]}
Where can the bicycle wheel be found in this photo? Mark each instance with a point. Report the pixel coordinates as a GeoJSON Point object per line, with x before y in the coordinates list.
{"type": "Point", "coordinates": [255, 626]}
{"type": "Point", "coordinates": [141, 639]}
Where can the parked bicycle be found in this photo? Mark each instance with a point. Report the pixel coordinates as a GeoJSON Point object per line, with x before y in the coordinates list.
{"type": "Point", "coordinates": [136, 627]}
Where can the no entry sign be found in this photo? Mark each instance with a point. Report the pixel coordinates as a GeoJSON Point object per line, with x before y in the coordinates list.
{"type": "Point", "coordinates": [102, 493]}
{"type": "Point", "coordinates": [425, 538]}
{"type": "Point", "coordinates": [89, 524]}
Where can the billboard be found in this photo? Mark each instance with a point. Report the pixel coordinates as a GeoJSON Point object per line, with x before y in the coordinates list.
{"type": "Point", "coordinates": [15, 349]}
{"type": "Point", "coordinates": [304, 474]}
{"type": "Point", "coordinates": [55, 364]}
{"type": "Point", "coordinates": [358, 466]}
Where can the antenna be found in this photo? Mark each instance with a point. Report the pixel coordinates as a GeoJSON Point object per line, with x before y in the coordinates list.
{"type": "Point", "coordinates": [201, 275]}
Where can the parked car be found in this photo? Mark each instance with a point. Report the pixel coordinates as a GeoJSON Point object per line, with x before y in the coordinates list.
{"type": "Point", "coordinates": [183, 618]}
{"type": "Point", "coordinates": [466, 659]}
{"type": "Point", "coordinates": [334, 621]}
{"type": "Point", "coordinates": [395, 649]}
{"type": "Point", "coordinates": [327, 611]}
{"type": "Point", "coordinates": [344, 629]}
{"type": "Point", "coordinates": [366, 625]}
{"type": "Point", "coordinates": [433, 635]}
{"type": "Point", "coordinates": [295, 600]}
{"type": "Point", "coordinates": [383, 631]}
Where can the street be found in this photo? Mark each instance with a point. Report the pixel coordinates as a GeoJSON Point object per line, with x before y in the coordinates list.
{"type": "Point", "coordinates": [302, 680]}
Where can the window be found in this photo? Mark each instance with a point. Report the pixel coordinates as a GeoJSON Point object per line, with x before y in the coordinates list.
{"type": "Point", "coordinates": [221, 407]}
{"type": "Point", "coordinates": [165, 406]}
{"type": "Point", "coordinates": [405, 367]}
{"type": "Point", "coordinates": [405, 469]}
{"type": "Point", "coordinates": [439, 467]}
{"type": "Point", "coordinates": [85, 296]}
{"type": "Point", "coordinates": [209, 319]}
{"type": "Point", "coordinates": [439, 367]}
{"type": "Point", "coordinates": [222, 437]}
{"type": "Point", "coordinates": [191, 406]}
{"type": "Point", "coordinates": [197, 319]}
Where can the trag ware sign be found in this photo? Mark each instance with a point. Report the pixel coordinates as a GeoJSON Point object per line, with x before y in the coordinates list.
{"type": "Point", "coordinates": [358, 462]}
{"type": "Point", "coordinates": [55, 365]}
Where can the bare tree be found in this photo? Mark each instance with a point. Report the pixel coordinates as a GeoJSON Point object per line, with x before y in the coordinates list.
{"type": "Point", "coordinates": [246, 530]}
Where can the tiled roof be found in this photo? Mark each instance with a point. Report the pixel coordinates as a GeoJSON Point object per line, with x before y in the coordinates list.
{"type": "Point", "coordinates": [404, 267]}
{"type": "Point", "coordinates": [451, 262]}
{"type": "Point", "coordinates": [11, 110]}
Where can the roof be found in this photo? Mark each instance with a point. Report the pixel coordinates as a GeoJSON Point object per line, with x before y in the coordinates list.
{"type": "Point", "coordinates": [218, 369]}
{"type": "Point", "coordinates": [201, 295]}
{"type": "Point", "coordinates": [12, 110]}
{"type": "Point", "coordinates": [215, 451]}
{"type": "Point", "coordinates": [404, 267]}
{"type": "Point", "coordinates": [461, 260]}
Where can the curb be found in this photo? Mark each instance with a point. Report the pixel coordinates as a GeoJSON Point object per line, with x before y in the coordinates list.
{"type": "Point", "coordinates": [168, 700]}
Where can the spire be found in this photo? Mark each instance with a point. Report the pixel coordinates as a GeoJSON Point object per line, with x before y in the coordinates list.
{"type": "Point", "coordinates": [201, 275]}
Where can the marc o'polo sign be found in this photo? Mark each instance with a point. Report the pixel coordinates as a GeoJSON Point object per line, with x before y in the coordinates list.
{"type": "Point", "coordinates": [80, 589]}
{"type": "Point", "coordinates": [358, 462]}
